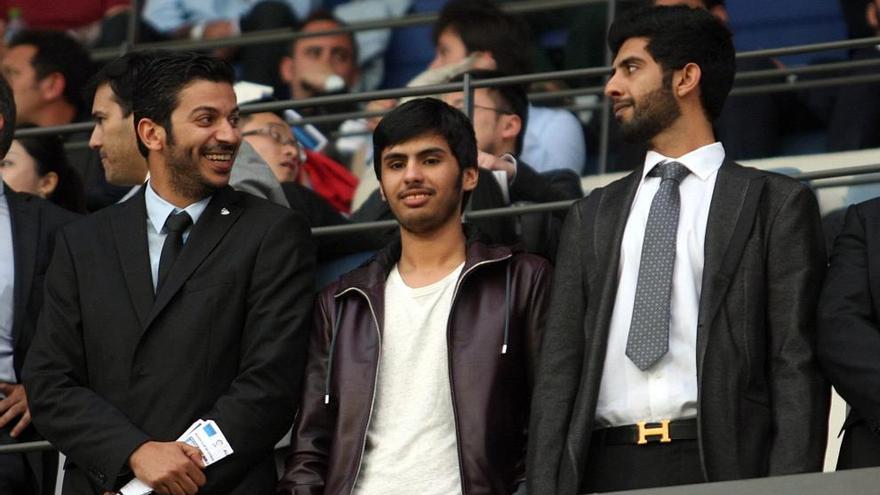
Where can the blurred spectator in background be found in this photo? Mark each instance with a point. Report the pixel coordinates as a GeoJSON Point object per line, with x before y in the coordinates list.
{"type": "Point", "coordinates": [48, 72]}
{"type": "Point", "coordinates": [273, 139]}
{"type": "Point", "coordinates": [292, 163]}
{"type": "Point", "coordinates": [113, 136]}
{"type": "Point", "coordinates": [37, 165]}
{"type": "Point", "coordinates": [213, 19]}
{"type": "Point", "coordinates": [98, 23]}
{"type": "Point", "coordinates": [321, 65]}
{"type": "Point", "coordinates": [477, 34]}
{"type": "Point", "coordinates": [854, 122]}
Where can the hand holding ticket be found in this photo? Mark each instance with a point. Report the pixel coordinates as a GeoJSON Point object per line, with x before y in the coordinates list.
{"type": "Point", "coordinates": [203, 435]}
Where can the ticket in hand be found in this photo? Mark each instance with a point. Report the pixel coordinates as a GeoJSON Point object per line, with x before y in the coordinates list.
{"type": "Point", "coordinates": [204, 435]}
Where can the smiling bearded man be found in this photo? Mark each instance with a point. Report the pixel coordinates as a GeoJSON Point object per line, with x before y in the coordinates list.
{"type": "Point", "coordinates": [189, 301]}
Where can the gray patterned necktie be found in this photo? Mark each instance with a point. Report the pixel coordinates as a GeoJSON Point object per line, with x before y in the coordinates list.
{"type": "Point", "coordinates": [648, 337]}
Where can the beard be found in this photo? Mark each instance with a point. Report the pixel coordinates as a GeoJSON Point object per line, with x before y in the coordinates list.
{"type": "Point", "coordinates": [423, 221]}
{"type": "Point", "coordinates": [655, 112]}
{"type": "Point", "coordinates": [185, 176]}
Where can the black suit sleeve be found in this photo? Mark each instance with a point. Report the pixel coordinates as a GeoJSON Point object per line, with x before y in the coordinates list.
{"type": "Point", "coordinates": [258, 408]}
{"type": "Point", "coordinates": [800, 394]}
{"type": "Point", "coordinates": [80, 422]}
{"type": "Point", "coordinates": [849, 334]}
{"type": "Point", "coordinates": [560, 361]}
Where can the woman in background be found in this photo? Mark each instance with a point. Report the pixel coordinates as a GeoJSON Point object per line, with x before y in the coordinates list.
{"type": "Point", "coordinates": [38, 165]}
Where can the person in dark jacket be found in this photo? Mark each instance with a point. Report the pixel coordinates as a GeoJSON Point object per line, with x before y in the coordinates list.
{"type": "Point", "coordinates": [421, 362]}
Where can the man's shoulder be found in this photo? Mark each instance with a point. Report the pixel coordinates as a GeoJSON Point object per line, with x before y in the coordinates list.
{"type": "Point", "coordinates": [52, 214]}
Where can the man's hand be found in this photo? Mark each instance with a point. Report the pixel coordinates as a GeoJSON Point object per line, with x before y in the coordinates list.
{"type": "Point", "coordinates": [492, 162]}
{"type": "Point", "coordinates": [14, 405]}
{"type": "Point", "coordinates": [169, 468]}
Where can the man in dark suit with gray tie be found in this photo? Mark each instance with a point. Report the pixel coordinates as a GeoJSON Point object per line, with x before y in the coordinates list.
{"type": "Point", "coordinates": [188, 301]}
{"type": "Point", "coordinates": [680, 342]}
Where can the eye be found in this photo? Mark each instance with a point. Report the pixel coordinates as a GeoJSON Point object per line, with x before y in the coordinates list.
{"type": "Point", "coordinates": [432, 160]}
{"type": "Point", "coordinates": [234, 120]}
{"type": "Point", "coordinates": [205, 120]}
{"type": "Point", "coordinates": [394, 165]}
{"type": "Point", "coordinates": [630, 68]}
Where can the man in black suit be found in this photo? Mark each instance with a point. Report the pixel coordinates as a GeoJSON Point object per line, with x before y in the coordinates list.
{"type": "Point", "coordinates": [27, 229]}
{"type": "Point", "coordinates": [849, 332]}
{"type": "Point", "coordinates": [189, 301]}
{"type": "Point", "coordinates": [680, 343]}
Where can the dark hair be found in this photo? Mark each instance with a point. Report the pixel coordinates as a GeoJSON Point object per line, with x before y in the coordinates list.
{"type": "Point", "coordinates": [426, 116]}
{"type": "Point", "coordinates": [121, 74]}
{"type": "Point", "coordinates": [49, 156]}
{"type": "Point", "coordinates": [58, 52]}
{"type": "Point", "coordinates": [482, 26]}
{"type": "Point", "coordinates": [514, 97]}
{"type": "Point", "coordinates": [713, 3]}
{"type": "Point", "coordinates": [156, 91]}
{"type": "Point", "coordinates": [326, 15]}
{"type": "Point", "coordinates": [680, 35]}
{"type": "Point", "coordinates": [7, 110]}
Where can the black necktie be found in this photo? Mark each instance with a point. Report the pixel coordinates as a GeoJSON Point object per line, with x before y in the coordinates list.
{"type": "Point", "coordinates": [176, 224]}
{"type": "Point", "coordinates": [648, 337]}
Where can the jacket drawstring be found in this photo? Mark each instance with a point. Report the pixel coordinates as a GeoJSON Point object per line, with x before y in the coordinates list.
{"type": "Point", "coordinates": [506, 311]}
{"type": "Point", "coordinates": [330, 356]}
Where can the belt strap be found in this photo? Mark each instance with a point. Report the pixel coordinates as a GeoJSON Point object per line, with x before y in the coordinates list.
{"type": "Point", "coordinates": [643, 433]}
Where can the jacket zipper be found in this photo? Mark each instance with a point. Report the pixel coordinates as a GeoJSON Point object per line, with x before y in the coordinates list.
{"type": "Point", "coordinates": [449, 366]}
{"type": "Point", "coordinates": [375, 382]}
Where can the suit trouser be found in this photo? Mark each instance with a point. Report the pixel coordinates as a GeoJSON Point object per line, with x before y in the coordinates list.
{"type": "Point", "coordinates": [860, 447]}
{"type": "Point", "coordinates": [629, 467]}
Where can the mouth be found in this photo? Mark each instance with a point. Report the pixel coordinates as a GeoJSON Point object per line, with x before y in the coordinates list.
{"type": "Point", "coordinates": [619, 107]}
{"type": "Point", "coordinates": [220, 160]}
{"type": "Point", "coordinates": [415, 198]}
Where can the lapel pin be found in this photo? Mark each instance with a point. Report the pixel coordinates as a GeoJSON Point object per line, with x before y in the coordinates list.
{"type": "Point", "coordinates": [224, 211]}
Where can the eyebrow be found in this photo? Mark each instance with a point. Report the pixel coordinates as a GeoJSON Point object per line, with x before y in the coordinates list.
{"type": "Point", "coordinates": [420, 154]}
{"type": "Point", "coordinates": [206, 108]}
{"type": "Point", "coordinates": [630, 60]}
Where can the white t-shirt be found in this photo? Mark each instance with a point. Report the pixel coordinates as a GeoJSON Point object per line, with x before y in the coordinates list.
{"type": "Point", "coordinates": [411, 442]}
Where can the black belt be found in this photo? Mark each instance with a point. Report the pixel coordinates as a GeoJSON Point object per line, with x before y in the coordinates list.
{"type": "Point", "coordinates": [643, 433]}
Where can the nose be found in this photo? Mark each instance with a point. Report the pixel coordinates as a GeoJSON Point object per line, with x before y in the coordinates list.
{"type": "Point", "coordinates": [612, 87]}
{"type": "Point", "coordinates": [413, 172]}
{"type": "Point", "coordinates": [228, 133]}
{"type": "Point", "coordinates": [95, 139]}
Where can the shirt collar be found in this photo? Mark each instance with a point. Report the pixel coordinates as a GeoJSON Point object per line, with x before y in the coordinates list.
{"type": "Point", "coordinates": [2, 188]}
{"type": "Point", "coordinates": [702, 162]}
{"type": "Point", "coordinates": [158, 209]}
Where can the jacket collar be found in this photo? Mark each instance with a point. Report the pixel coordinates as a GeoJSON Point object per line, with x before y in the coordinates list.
{"type": "Point", "coordinates": [370, 277]}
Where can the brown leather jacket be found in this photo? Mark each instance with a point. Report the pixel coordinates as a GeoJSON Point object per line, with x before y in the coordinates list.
{"type": "Point", "coordinates": [493, 337]}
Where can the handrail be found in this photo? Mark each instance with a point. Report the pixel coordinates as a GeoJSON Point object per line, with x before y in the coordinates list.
{"type": "Point", "coordinates": [285, 34]}
{"type": "Point", "coordinates": [517, 79]}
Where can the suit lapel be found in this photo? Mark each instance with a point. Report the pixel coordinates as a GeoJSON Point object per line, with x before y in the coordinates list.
{"type": "Point", "coordinates": [25, 220]}
{"type": "Point", "coordinates": [611, 217]}
{"type": "Point", "coordinates": [222, 211]}
{"type": "Point", "coordinates": [731, 216]}
{"type": "Point", "coordinates": [129, 227]}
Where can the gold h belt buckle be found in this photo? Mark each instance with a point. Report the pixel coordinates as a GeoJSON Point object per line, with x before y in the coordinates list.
{"type": "Point", "coordinates": [661, 431]}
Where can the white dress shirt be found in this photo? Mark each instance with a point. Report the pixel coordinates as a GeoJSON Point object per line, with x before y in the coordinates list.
{"type": "Point", "coordinates": [7, 291]}
{"type": "Point", "coordinates": [157, 212]}
{"type": "Point", "coordinates": [668, 389]}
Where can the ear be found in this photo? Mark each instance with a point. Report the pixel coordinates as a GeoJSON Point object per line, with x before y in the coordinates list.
{"type": "Point", "coordinates": [52, 86]}
{"type": "Point", "coordinates": [871, 15]}
{"type": "Point", "coordinates": [469, 178]}
{"type": "Point", "coordinates": [47, 184]}
{"type": "Point", "coordinates": [511, 127]}
{"type": "Point", "coordinates": [720, 13]}
{"type": "Point", "coordinates": [286, 70]}
{"type": "Point", "coordinates": [686, 81]}
{"type": "Point", "coordinates": [151, 134]}
{"type": "Point", "coordinates": [382, 194]}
